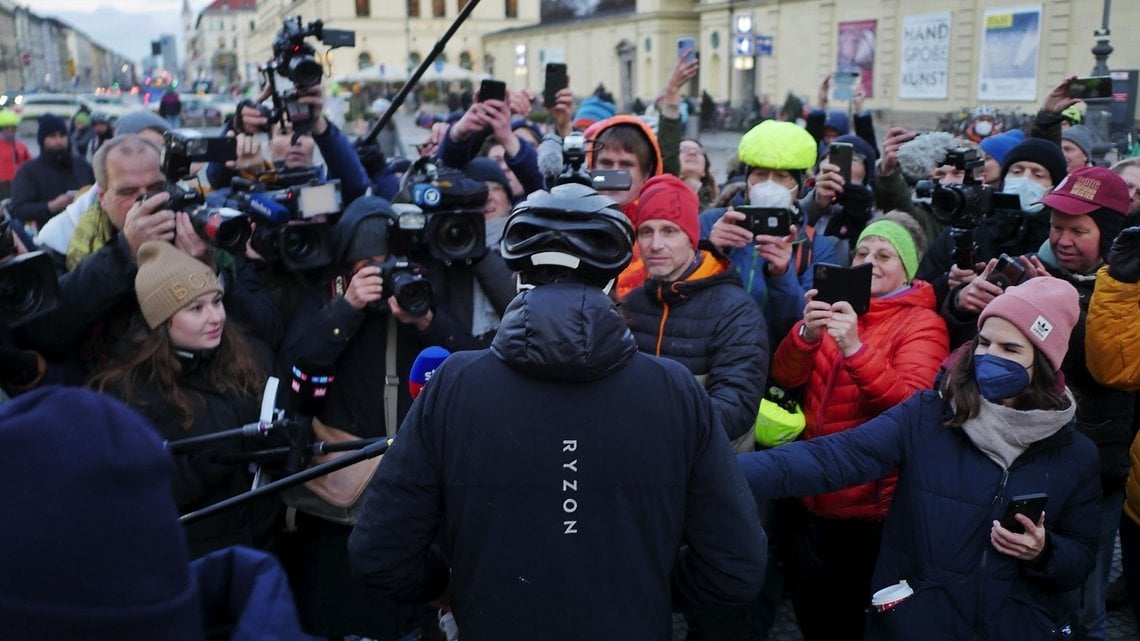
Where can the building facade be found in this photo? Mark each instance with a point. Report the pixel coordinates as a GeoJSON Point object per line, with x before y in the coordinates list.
{"type": "Point", "coordinates": [218, 47]}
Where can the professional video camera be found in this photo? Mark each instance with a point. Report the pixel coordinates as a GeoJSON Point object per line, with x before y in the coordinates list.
{"type": "Point", "coordinates": [963, 206]}
{"type": "Point", "coordinates": [222, 227]}
{"type": "Point", "coordinates": [28, 284]}
{"type": "Point", "coordinates": [285, 205]}
{"type": "Point", "coordinates": [296, 61]}
{"type": "Point", "coordinates": [439, 213]}
{"type": "Point", "coordinates": [404, 280]}
{"type": "Point", "coordinates": [563, 161]}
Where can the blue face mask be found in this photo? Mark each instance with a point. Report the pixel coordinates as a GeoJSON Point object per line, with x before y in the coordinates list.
{"type": "Point", "coordinates": [1028, 193]}
{"type": "Point", "coordinates": [999, 378]}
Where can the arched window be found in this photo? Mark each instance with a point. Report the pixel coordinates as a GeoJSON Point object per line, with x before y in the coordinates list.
{"type": "Point", "coordinates": [466, 61]}
{"type": "Point", "coordinates": [364, 60]}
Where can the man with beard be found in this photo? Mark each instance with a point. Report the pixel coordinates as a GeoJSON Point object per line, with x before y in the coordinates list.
{"type": "Point", "coordinates": [46, 185]}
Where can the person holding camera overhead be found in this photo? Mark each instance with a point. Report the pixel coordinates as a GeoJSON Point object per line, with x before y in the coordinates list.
{"type": "Point", "coordinates": [998, 428]}
{"type": "Point", "coordinates": [191, 373]}
{"type": "Point", "coordinates": [851, 368]}
{"type": "Point", "coordinates": [356, 325]}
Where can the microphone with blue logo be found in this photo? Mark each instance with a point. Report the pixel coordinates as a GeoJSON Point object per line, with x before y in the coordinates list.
{"type": "Point", "coordinates": [424, 367]}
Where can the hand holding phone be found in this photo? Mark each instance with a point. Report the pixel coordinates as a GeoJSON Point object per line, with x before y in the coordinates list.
{"type": "Point", "coordinates": [1031, 505]}
{"type": "Point", "coordinates": [556, 80]}
{"type": "Point", "coordinates": [1008, 271]}
{"type": "Point", "coordinates": [852, 284]}
{"type": "Point", "coordinates": [686, 48]}
{"type": "Point", "coordinates": [770, 221]}
{"type": "Point", "coordinates": [1092, 89]}
{"type": "Point", "coordinates": [842, 154]}
{"type": "Point", "coordinates": [491, 89]}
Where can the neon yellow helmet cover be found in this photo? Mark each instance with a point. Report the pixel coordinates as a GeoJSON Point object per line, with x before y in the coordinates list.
{"type": "Point", "coordinates": [775, 144]}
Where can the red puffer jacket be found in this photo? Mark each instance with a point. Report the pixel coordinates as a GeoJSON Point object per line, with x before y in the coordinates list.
{"type": "Point", "coordinates": [904, 341]}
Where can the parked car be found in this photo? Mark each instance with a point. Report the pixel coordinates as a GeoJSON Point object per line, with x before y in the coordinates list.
{"type": "Point", "coordinates": [32, 106]}
{"type": "Point", "coordinates": [199, 111]}
{"type": "Point", "coordinates": [113, 106]}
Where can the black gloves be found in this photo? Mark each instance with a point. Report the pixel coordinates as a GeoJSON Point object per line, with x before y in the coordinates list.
{"type": "Point", "coordinates": [1124, 258]}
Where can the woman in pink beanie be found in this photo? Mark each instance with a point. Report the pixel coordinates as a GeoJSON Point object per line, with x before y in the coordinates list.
{"type": "Point", "coordinates": [999, 427]}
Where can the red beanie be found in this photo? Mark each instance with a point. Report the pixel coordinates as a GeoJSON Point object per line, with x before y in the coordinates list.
{"type": "Point", "coordinates": [1045, 309]}
{"type": "Point", "coordinates": [667, 197]}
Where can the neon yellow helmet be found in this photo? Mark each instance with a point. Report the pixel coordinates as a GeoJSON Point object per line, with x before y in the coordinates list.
{"type": "Point", "coordinates": [1073, 115]}
{"type": "Point", "coordinates": [8, 118]}
{"type": "Point", "coordinates": [775, 144]}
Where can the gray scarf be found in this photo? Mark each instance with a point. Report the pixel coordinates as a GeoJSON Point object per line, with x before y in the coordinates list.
{"type": "Point", "coordinates": [1003, 433]}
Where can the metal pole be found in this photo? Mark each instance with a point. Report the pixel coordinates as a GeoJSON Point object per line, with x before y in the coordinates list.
{"type": "Point", "coordinates": [370, 137]}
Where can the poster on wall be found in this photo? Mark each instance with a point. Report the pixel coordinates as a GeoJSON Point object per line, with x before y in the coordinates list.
{"type": "Point", "coordinates": [560, 10]}
{"type": "Point", "coordinates": [856, 51]}
{"type": "Point", "coordinates": [1011, 42]}
{"type": "Point", "coordinates": [925, 57]}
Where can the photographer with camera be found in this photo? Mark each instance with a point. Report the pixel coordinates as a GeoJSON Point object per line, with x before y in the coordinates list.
{"type": "Point", "coordinates": [192, 373]}
{"type": "Point", "coordinates": [356, 323]}
{"type": "Point", "coordinates": [97, 297]}
{"type": "Point", "coordinates": [978, 224]}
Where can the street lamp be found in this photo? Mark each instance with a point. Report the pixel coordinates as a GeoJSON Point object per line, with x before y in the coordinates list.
{"type": "Point", "coordinates": [1099, 114]}
{"type": "Point", "coordinates": [744, 53]}
{"type": "Point", "coordinates": [520, 59]}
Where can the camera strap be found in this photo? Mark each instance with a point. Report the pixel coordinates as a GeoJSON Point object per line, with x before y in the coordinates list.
{"type": "Point", "coordinates": [391, 379]}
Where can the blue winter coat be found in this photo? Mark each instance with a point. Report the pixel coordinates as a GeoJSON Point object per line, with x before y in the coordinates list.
{"type": "Point", "coordinates": [937, 533]}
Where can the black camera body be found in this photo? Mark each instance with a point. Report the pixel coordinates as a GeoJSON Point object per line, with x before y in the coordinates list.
{"type": "Point", "coordinates": [961, 205]}
{"type": "Point", "coordinates": [181, 147]}
{"type": "Point", "coordinates": [439, 214]}
{"type": "Point", "coordinates": [296, 60]}
{"type": "Point", "coordinates": [574, 156]}
{"type": "Point", "coordinates": [285, 233]}
{"type": "Point", "coordinates": [405, 280]}
{"type": "Point", "coordinates": [29, 288]}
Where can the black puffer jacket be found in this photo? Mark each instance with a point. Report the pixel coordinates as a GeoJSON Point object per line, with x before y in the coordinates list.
{"type": "Point", "coordinates": [708, 323]}
{"type": "Point", "coordinates": [572, 478]}
{"type": "Point", "coordinates": [40, 180]}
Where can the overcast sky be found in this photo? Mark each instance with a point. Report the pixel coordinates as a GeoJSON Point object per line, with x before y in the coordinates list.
{"type": "Point", "coordinates": [127, 26]}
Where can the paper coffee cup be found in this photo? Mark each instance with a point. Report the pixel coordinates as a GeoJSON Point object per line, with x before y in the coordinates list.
{"type": "Point", "coordinates": [891, 596]}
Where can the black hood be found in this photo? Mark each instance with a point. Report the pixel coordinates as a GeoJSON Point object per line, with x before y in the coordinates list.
{"type": "Point", "coordinates": [564, 331]}
{"type": "Point", "coordinates": [345, 229]}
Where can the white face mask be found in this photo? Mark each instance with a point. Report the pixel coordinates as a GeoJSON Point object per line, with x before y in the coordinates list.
{"type": "Point", "coordinates": [770, 194]}
{"type": "Point", "coordinates": [983, 128]}
{"type": "Point", "coordinates": [1027, 191]}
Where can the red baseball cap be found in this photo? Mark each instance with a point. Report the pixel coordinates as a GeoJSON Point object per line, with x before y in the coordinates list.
{"type": "Point", "coordinates": [1087, 189]}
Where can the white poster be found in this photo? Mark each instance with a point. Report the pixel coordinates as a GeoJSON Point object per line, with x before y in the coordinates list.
{"type": "Point", "coordinates": [1011, 43]}
{"type": "Point", "coordinates": [925, 64]}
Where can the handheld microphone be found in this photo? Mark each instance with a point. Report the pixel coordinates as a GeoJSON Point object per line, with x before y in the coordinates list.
{"type": "Point", "coordinates": [424, 367]}
{"type": "Point", "coordinates": [308, 390]}
{"type": "Point", "coordinates": [550, 158]}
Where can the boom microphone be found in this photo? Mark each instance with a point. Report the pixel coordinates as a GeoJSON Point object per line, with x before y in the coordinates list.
{"type": "Point", "coordinates": [424, 367]}
{"type": "Point", "coordinates": [550, 161]}
{"type": "Point", "coordinates": [308, 390]}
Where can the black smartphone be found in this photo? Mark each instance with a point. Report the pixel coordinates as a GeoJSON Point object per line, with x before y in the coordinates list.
{"type": "Point", "coordinates": [772, 221]}
{"type": "Point", "coordinates": [492, 90]}
{"type": "Point", "coordinates": [836, 283]}
{"type": "Point", "coordinates": [1031, 505]}
{"type": "Point", "coordinates": [686, 48]}
{"type": "Point", "coordinates": [556, 80]}
{"type": "Point", "coordinates": [842, 154]}
{"type": "Point", "coordinates": [1007, 272]}
{"type": "Point", "coordinates": [1092, 89]}
{"type": "Point", "coordinates": [611, 179]}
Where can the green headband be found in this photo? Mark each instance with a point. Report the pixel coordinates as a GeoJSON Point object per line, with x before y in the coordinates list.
{"type": "Point", "coordinates": [899, 238]}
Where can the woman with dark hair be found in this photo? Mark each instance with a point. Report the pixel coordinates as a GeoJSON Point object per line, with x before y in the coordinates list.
{"type": "Point", "coordinates": [999, 426]}
{"type": "Point", "coordinates": [696, 171]}
{"type": "Point", "coordinates": [191, 373]}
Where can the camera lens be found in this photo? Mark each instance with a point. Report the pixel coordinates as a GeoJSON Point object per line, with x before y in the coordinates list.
{"type": "Point", "coordinates": [18, 297]}
{"type": "Point", "coordinates": [456, 237]}
{"type": "Point", "coordinates": [412, 292]}
{"type": "Point", "coordinates": [305, 71]}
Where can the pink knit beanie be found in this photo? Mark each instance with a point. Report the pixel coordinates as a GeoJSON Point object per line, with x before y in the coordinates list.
{"type": "Point", "coordinates": [1045, 309]}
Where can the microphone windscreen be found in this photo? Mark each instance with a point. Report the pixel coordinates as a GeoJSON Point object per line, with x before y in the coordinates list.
{"type": "Point", "coordinates": [550, 156]}
{"type": "Point", "coordinates": [424, 366]}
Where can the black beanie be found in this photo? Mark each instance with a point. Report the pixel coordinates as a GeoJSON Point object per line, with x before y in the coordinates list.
{"type": "Point", "coordinates": [487, 170]}
{"type": "Point", "coordinates": [50, 124]}
{"type": "Point", "coordinates": [91, 545]}
{"type": "Point", "coordinates": [370, 238]}
{"type": "Point", "coordinates": [1042, 152]}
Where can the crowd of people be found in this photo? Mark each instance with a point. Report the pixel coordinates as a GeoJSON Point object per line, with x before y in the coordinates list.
{"type": "Point", "coordinates": [595, 458]}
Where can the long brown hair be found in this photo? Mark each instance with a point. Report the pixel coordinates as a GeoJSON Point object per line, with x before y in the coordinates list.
{"type": "Point", "coordinates": [960, 386]}
{"type": "Point", "coordinates": [147, 355]}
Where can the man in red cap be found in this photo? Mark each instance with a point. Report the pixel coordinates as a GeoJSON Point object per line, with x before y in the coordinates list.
{"type": "Point", "coordinates": [1088, 210]}
{"type": "Point", "coordinates": [693, 309]}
